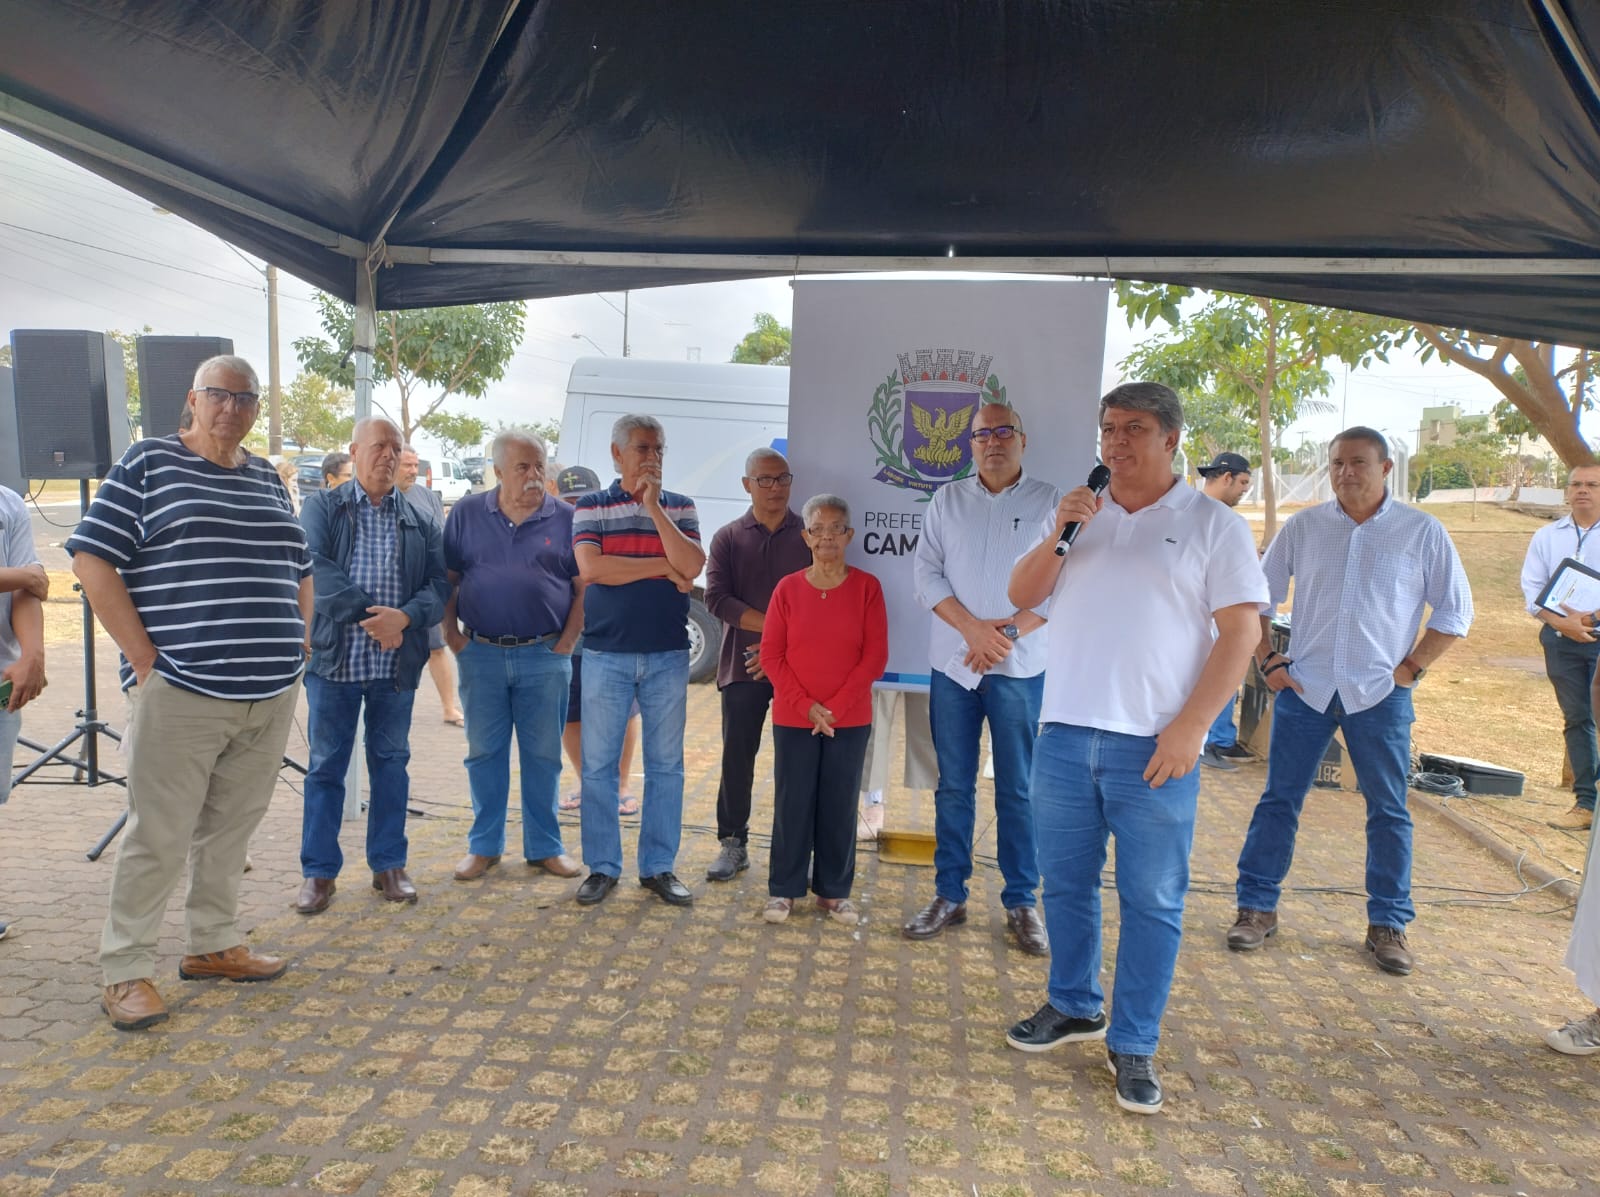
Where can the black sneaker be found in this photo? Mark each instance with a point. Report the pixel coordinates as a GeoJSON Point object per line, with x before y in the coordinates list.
{"type": "Point", "coordinates": [1138, 1090]}
{"type": "Point", "coordinates": [1050, 1028]}
{"type": "Point", "coordinates": [1212, 760]}
{"type": "Point", "coordinates": [1234, 752]}
{"type": "Point", "coordinates": [734, 858]}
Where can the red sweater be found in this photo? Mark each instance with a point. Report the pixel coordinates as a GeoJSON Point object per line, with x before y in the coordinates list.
{"type": "Point", "coordinates": [825, 646]}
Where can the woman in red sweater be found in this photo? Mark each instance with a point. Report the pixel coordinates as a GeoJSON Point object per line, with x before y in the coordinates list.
{"type": "Point", "coordinates": [825, 641]}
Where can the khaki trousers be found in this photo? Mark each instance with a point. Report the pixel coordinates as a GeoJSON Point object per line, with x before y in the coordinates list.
{"type": "Point", "coordinates": [922, 763]}
{"type": "Point", "coordinates": [201, 772]}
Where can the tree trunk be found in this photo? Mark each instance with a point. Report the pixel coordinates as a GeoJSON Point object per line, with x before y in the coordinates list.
{"type": "Point", "coordinates": [1269, 382]}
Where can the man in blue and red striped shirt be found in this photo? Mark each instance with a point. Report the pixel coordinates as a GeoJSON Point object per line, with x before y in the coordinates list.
{"type": "Point", "coordinates": [638, 553]}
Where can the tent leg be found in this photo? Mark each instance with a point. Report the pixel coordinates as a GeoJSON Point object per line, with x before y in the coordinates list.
{"type": "Point", "coordinates": [366, 335]}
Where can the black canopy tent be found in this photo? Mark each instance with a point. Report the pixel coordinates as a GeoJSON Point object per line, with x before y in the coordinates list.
{"type": "Point", "coordinates": [1433, 159]}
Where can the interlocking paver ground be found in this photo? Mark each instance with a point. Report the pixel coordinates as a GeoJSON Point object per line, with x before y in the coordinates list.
{"type": "Point", "coordinates": [498, 1039]}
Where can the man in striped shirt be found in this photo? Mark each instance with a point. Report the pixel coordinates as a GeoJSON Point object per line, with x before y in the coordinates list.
{"type": "Point", "coordinates": [638, 553]}
{"type": "Point", "coordinates": [1364, 567]}
{"type": "Point", "coordinates": [192, 559]}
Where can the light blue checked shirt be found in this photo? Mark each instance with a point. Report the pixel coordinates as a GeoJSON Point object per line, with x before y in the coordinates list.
{"type": "Point", "coordinates": [1359, 594]}
{"type": "Point", "coordinates": [375, 568]}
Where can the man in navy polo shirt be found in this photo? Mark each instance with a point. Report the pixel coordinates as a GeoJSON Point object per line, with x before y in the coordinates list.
{"type": "Point", "coordinates": [512, 620]}
{"type": "Point", "coordinates": [638, 552]}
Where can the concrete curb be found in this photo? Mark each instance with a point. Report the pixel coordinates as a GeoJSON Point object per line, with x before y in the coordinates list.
{"type": "Point", "coordinates": [1531, 872]}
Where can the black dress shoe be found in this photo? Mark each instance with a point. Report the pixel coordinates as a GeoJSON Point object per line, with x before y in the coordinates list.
{"type": "Point", "coordinates": [669, 889]}
{"type": "Point", "coordinates": [1050, 1028]}
{"type": "Point", "coordinates": [1025, 925]}
{"type": "Point", "coordinates": [934, 918]}
{"type": "Point", "coordinates": [315, 894]}
{"type": "Point", "coordinates": [595, 887]}
{"type": "Point", "coordinates": [394, 885]}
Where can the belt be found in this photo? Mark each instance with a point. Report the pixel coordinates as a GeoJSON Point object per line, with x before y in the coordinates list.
{"type": "Point", "coordinates": [511, 641]}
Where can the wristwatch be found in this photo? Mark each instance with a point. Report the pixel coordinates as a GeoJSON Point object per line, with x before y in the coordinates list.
{"type": "Point", "coordinates": [1010, 631]}
{"type": "Point", "coordinates": [1416, 670]}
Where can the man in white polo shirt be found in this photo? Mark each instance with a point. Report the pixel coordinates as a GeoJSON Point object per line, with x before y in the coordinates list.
{"type": "Point", "coordinates": [988, 664]}
{"type": "Point", "coordinates": [1153, 613]}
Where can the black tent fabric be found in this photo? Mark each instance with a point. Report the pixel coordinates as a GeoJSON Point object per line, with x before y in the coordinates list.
{"type": "Point", "coordinates": [525, 148]}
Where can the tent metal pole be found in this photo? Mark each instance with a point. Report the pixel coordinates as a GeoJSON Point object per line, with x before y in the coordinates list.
{"type": "Point", "coordinates": [365, 334]}
{"type": "Point", "coordinates": [1100, 266]}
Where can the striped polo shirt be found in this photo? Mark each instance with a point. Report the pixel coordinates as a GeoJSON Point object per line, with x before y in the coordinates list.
{"type": "Point", "coordinates": [212, 559]}
{"type": "Point", "coordinates": [647, 616]}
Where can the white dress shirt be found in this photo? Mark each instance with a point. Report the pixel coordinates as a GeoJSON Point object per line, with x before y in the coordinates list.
{"type": "Point", "coordinates": [1359, 594]}
{"type": "Point", "coordinates": [1131, 617]}
{"type": "Point", "coordinates": [1550, 546]}
{"type": "Point", "coordinates": [970, 539]}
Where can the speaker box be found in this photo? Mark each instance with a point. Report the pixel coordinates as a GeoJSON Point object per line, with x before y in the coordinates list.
{"type": "Point", "coordinates": [72, 402]}
{"type": "Point", "coordinates": [10, 452]}
{"type": "Point", "coordinates": [1477, 777]}
{"type": "Point", "coordinates": [166, 372]}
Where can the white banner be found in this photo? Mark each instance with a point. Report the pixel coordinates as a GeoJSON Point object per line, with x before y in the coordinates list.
{"type": "Point", "coordinates": [885, 379]}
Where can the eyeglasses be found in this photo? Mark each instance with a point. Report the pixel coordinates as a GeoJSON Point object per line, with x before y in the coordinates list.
{"type": "Point", "coordinates": [241, 400]}
{"type": "Point", "coordinates": [648, 450]}
{"type": "Point", "coordinates": [828, 531]}
{"type": "Point", "coordinates": [1003, 433]}
{"type": "Point", "coordinates": [767, 481]}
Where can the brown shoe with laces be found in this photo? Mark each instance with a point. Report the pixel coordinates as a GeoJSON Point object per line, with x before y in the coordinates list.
{"type": "Point", "coordinates": [133, 1005]}
{"type": "Point", "coordinates": [1388, 946]}
{"type": "Point", "coordinates": [1252, 929]}
{"type": "Point", "coordinates": [237, 963]}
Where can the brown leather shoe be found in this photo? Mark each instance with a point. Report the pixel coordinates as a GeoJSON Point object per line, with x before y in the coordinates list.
{"type": "Point", "coordinates": [237, 963]}
{"type": "Point", "coordinates": [133, 1005]}
{"type": "Point", "coordinates": [558, 866]}
{"type": "Point", "coordinates": [1388, 946]}
{"type": "Point", "coordinates": [1252, 929]}
{"type": "Point", "coordinates": [471, 867]}
{"type": "Point", "coordinates": [1026, 926]}
{"type": "Point", "coordinates": [395, 885]}
{"type": "Point", "coordinates": [315, 894]}
{"type": "Point", "coordinates": [1576, 819]}
{"type": "Point", "coordinates": [934, 918]}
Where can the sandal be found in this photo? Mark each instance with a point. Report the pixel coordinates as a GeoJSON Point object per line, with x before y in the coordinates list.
{"type": "Point", "coordinates": [840, 910]}
{"type": "Point", "coordinates": [777, 909]}
{"type": "Point", "coordinates": [570, 802]}
{"type": "Point", "coordinates": [628, 806]}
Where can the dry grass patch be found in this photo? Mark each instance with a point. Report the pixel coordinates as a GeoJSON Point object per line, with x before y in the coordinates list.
{"type": "Point", "coordinates": [787, 1178]}
{"type": "Point", "coordinates": [848, 1183]}
{"type": "Point", "coordinates": [343, 1176]}
{"type": "Point", "coordinates": [720, 1171]}
{"type": "Point", "coordinates": [410, 1182]}
{"type": "Point", "coordinates": [205, 1164]}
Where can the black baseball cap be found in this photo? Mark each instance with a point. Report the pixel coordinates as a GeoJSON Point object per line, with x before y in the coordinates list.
{"type": "Point", "coordinates": [1225, 463]}
{"type": "Point", "coordinates": [576, 480]}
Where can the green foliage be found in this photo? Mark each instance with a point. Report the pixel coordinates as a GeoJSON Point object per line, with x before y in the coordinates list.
{"type": "Point", "coordinates": [129, 344]}
{"type": "Point", "coordinates": [316, 414]}
{"type": "Point", "coordinates": [766, 345]}
{"type": "Point", "coordinates": [5, 355]}
{"type": "Point", "coordinates": [1473, 459]}
{"type": "Point", "coordinates": [459, 433]}
{"type": "Point", "coordinates": [1510, 422]}
{"type": "Point", "coordinates": [459, 350]}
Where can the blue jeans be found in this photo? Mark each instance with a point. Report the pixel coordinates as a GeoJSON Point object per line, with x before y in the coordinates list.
{"type": "Point", "coordinates": [334, 708]}
{"type": "Point", "coordinates": [1087, 784]}
{"type": "Point", "coordinates": [1379, 740]}
{"type": "Point", "coordinates": [1570, 667]}
{"type": "Point", "coordinates": [956, 715]}
{"type": "Point", "coordinates": [1222, 733]}
{"type": "Point", "coordinates": [611, 684]}
{"type": "Point", "coordinates": [521, 690]}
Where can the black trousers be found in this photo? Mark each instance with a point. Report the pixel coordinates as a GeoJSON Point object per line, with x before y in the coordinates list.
{"type": "Point", "coordinates": [744, 713]}
{"type": "Point", "coordinates": [817, 780]}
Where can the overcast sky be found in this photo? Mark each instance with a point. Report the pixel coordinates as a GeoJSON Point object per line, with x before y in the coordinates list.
{"type": "Point", "coordinates": [78, 252]}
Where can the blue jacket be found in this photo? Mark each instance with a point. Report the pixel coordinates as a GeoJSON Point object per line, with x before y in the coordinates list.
{"type": "Point", "coordinates": [329, 518]}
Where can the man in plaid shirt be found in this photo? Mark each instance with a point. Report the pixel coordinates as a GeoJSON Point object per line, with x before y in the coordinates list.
{"type": "Point", "coordinates": [378, 566]}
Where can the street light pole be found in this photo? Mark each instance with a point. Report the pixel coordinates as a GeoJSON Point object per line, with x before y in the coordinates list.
{"type": "Point", "coordinates": [274, 391]}
{"type": "Point", "coordinates": [624, 324]}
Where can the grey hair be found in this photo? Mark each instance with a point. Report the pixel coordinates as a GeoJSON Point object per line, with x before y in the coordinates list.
{"type": "Point", "coordinates": [764, 453]}
{"type": "Point", "coordinates": [1156, 398]}
{"type": "Point", "coordinates": [227, 361]}
{"type": "Point", "coordinates": [818, 503]}
{"type": "Point", "coordinates": [516, 436]}
{"type": "Point", "coordinates": [408, 447]}
{"type": "Point", "coordinates": [1362, 433]}
{"type": "Point", "coordinates": [627, 425]}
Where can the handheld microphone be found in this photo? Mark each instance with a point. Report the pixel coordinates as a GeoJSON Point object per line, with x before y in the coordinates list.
{"type": "Point", "coordinates": [1099, 479]}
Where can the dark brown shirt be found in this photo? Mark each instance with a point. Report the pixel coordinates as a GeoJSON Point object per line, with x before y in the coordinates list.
{"type": "Point", "coordinates": [744, 565]}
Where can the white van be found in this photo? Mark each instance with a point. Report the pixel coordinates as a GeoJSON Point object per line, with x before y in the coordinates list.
{"type": "Point", "coordinates": [713, 415]}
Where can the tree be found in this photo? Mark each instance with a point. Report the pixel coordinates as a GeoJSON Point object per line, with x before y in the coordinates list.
{"type": "Point", "coordinates": [1477, 455]}
{"type": "Point", "coordinates": [317, 414]}
{"type": "Point", "coordinates": [459, 350]}
{"type": "Point", "coordinates": [766, 345]}
{"type": "Point", "coordinates": [455, 431]}
{"type": "Point", "coordinates": [1261, 359]}
{"type": "Point", "coordinates": [129, 344]}
{"type": "Point", "coordinates": [1212, 425]}
{"type": "Point", "coordinates": [1552, 398]}
{"type": "Point", "coordinates": [5, 355]}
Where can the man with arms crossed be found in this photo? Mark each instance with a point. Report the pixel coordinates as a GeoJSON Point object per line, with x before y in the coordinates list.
{"type": "Point", "coordinates": [1363, 567]}
{"type": "Point", "coordinates": [1568, 637]}
{"type": "Point", "coordinates": [1152, 615]}
{"type": "Point", "coordinates": [638, 552]}
{"type": "Point", "coordinates": [746, 560]}
{"type": "Point", "coordinates": [988, 664]}
{"type": "Point", "coordinates": [191, 557]}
